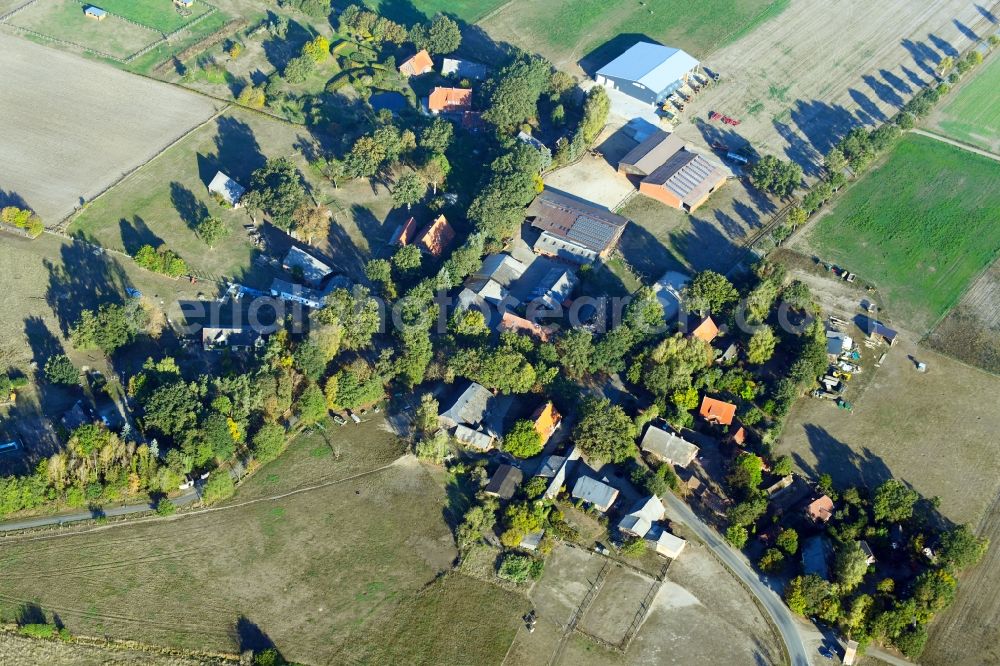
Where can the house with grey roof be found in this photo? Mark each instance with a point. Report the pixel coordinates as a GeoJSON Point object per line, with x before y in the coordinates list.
{"type": "Point", "coordinates": [476, 417]}
{"type": "Point", "coordinates": [227, 189]}
{"type": "Point", "coordinates": [559, 478]}
{"type": "Point", "coordinates": [596, 493]}
{"type": "Point", "coordinates": [501, 268]}
{"type": "Point", "coordinates": [668, 446]}
{"type": "Point", "coordinates": [640, 519]}
{"type": "Point", "coordinates": [648, 72]}
{"type": "Point", "coordinates": [469, 407]}
{"type": "Point", "coordinates": [572, 229]}
{"type": "Point", "coordinates": [555, 287]}
{"type": "Point", "coordinates": [477, 439]}
{"type": "Point", "coordinates": [550, 466]}
{"type": "Point", "coordinates": [504, 482]}
{"type": "Point", "coordinates": [298, 262]}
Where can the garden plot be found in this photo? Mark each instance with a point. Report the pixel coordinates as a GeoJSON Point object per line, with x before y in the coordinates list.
{"type": "Point", "coordinates": [63, 20]}
{"type": "Point", "coordinates": [971, 331]}
{"type": "Point", "coordinates": [73, 127]}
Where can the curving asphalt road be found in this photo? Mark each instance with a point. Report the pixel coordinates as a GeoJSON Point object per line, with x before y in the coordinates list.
{"type": "Point", "coordinates": [110, 512]}
{"type": "Point", "coordinates": [776, 608]}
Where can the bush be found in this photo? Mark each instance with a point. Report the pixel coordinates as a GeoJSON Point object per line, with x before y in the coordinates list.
{"type": "Point", "coordinates": [523, 441]}
{"type": "Point", "coordinates": [434, 448]}
{"type": "Point", "coordinates": [219, 487]}
{"type": "Point", "coordinates": [165, 507]}
{"type": "Point", "coordinates": [520, 568]}
{"type": "Point", "coordinates": [162, 261]}
{"type": "Point", "coordinates": [22, 218]}
{"type": "Point", "coordinates": [268, 443]}
{"type": "Point", "coordinates": [634, 547]}
{"type": "Point", "coordinates": [737, 536]}
{"type": "Point", "coordinates": [60, 370]}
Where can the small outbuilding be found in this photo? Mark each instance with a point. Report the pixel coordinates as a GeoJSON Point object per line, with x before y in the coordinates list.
{"type": "Point", "coordinates": [546, 420]}
{"type": "Point", "coordinates": [665, 543]}
{"type": "Point", "coordinates": [463, 69]}
{"type": "Point", "coordinates": [235, 338]}
{"type": "Point", "coordinates": [504, 482]}
{"type": "Point", "coordinates": [227, 189]}
{"type": "Point", "coordinates": [184, 4]}
{"type": "Point", "coordinates": [312, 270]}
{"type": "Point", "coordinates": [96, 13]}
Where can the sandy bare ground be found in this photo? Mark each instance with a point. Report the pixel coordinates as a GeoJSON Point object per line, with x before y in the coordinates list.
{"type": "Point", "coordinates": [971, 331]}
{"type": "Point", "coordinates": [801, 81]}
{"type": "Point", "coordinates": [72, 127]}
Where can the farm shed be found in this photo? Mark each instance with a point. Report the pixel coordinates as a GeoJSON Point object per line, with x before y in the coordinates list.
{"type": "Point", "coordinates": [504, 482]}
{"type": "Point", "coordinates": [596, 493]}
{"type": "Point", "coordinates": [449, 100]}
{"type": "Point", "coordinates": [184, 4]}
{"type": "Point", "coordinates": [501, 268]}
{"type": "Point", "coordinates": [313, 270]}
{"type": "Point", "coordinates": [665, 543]}
{"type": "Point", "coordinates": [555, 287]}
{"type": "Point", "coordinates": [668, 446]}
{"type": "Point", "coordinates": [95, 13]}
{"type": "Point", "coordinates": [574, 230]}
{"type": "Point", "coordinates": [228, 189]}
{"type": "Point", "coordinates": [717, 411]}
{"type": "Point", "coordinates": [420, 63]}
{"type": "Point", "coordinates": [474, 438]}
{"type": "Point", "coordinates": [463, 69]}
{"type": "Point", "coordinates": [296, 293]}
{"type": "Point", "coordinates": [640, 519]}
{"type": "Point", "coordinates": [648, 72]}
{"type": "Point", "coordinates": [879, 331]}
{"type": "Point", "coordinates": [672, 173]}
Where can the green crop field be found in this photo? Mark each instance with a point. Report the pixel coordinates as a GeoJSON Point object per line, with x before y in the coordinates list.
{"type": "Point", "coordinates": [920, 226]}
{"type": "Point", "coordinates": [595, 31]}
{"type": "Point", "coordinates": [64, 19]}
{"type": "Point", "coordinates": [972, 115]}
{"type": "Point", "coordinates": [160, 15]}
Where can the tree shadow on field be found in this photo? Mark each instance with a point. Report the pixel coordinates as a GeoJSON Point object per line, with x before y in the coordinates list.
{"type": "Point", "coordinates": [249, 636]}
{"type": "Point", "coordinates": [868, 111]}
{"type": "Point", "coordinates": [841, 462]}
{"type": "Point", "coordinates": [237, 153]}
{"type": "Point", "coordinates": [924, 56]}
{"type": "Point", "coordinates": [136, 234]}
{"type": "Point", "coordinates": [987, 14]}
{"type": "Point", "coordinates": [610, 50]}
{"type": "Point", "coordinates": [914, 78]}
{"type": "Point", "coordinates": [190, 209]}
{"type": "Point", "coordinates": [966, 30]}
{"type": "Point", "coordinates": [821, 123]}
{"type": "Point", "coordinates": [944, 46]}
{"type": "Point", "coordinates": [279, 51]}
{"type": "Point", "coordinates": [44, 345]}
{"type": "Point", "coordinates": [883, 91]}
{"type": "Point", "coordinates": [82, 279]}
{"type": "Point", "coordinates": [898, 84]}
{"type": "Point", "coordinates": [9, 198]}
{"type": "Point", "coordinates": [30, 613]}
{"type": "Point", "coordinates": [799, 150]}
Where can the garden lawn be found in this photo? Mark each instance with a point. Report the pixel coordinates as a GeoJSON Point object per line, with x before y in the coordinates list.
{"type": "Point", "coordinates": [567, 31]}
{"type": "Point", "coordinates": [920, 226]}
{"type": "Point", "coordinates": [972, 115]}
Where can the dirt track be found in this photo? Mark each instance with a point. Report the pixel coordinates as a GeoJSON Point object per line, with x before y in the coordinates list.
{"type": "Point", "coordinates": [74, 126]}
{"type": "Point", "coordinates": [805, 78]}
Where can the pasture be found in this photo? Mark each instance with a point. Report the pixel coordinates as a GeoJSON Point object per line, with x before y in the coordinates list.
{"type": "Point", "coordinates": [468, 11]}
{"type": "Point", "coordinates": [64, 20]}
{"type": "Point", "coordinates": [164, 17]}
{"type": "Point", "coordinates": [972, 113]}
{"type": "Point", "coordinates": [164, 200]}
{"type": "Point", "coordinates": [920, 226]}
{"type": "Point", "coordinates": [593, 32]}
{"type": "Point", "coordinates": [328, 575]}
{"type": "Point", "coordinates": [106, 123]}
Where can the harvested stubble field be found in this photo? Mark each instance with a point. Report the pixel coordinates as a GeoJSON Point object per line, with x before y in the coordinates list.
{"type": "Point", "coordinates": [64, 20]}
{"type": "Point", "coordinates": [165, 199]}
{"type": "Point", "coordinates": [105, 124]}
{"type": "Point", "coordinates": [806, 78]}
{"type": "Point", "coordinates": [920, 226]}
{"type": "Point", "coordinates": [971, 331]}
{"type": "Point", "coordinates": [972, 113]}
{"type": "Point", "coordinates": [594, 32]}
{"type": "Point", "coordinates": [332, 575]}
{"type": "Point", "coordinates": [16, 649]}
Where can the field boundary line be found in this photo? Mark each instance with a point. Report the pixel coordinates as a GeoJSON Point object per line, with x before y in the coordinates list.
{"type": "Point", "coordinates": [956, 143]}
{"type": "Point", "coordinates": [215, 509]}
{"type": "Point", "coordinates": [6, 16]}
{"type": "Point", "coordinates": [64, 223]}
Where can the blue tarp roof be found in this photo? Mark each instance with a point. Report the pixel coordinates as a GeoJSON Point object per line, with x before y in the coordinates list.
{"type": "Point", "coordinates": [652, 65]}
{"type": "Point", "coordinates": [96, 11]}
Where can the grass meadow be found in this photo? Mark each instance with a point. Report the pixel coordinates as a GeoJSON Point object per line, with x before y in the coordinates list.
{"type": "Point", "coordinates": [64, 19]}
{"type": "Point", "coordinates": [920, 226]}
{"type": "Point", "coordinates": [156, 14]}
{"type": "Point", "coordinates": [972, 114]}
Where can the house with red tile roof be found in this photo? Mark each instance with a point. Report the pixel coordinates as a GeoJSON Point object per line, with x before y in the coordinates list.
{"type": "Point", "coordinates": [706, 330]}
{"type": "Point", "coordinates": [449, 100]}
{"type": "Point", "coordinates": [436, 238]}
{"type": "Point", "coordinates": [717, 411]}
{"type": "Point", "coordinates": [405, 233]}
{"type": "Point", "coordinates": [511, 322]}
{"type": "Point", "coordinates": [820, 510]}
{"type": "Point", "coordinates": [421, 63]}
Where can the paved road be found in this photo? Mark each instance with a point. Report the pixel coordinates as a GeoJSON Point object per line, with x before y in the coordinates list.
{"type": "Point", "coordinates": [782, 617]}
{"type": "Point", "coordinates": [109, 512]}
{"type": "Point", "coordinates": [957, 144]}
